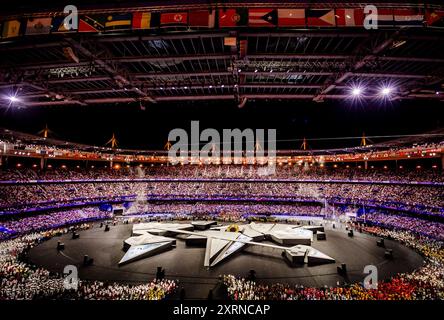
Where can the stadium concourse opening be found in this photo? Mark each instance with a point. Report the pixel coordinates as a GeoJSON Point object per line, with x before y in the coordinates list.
{"type": "Point", "coordinates": [101, 198]}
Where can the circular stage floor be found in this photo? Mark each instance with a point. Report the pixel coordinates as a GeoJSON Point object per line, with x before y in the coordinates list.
{"type": "Point", "coordinates": [185, 263]}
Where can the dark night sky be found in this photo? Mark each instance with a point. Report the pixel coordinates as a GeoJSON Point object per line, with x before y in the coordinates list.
{"type": "Point", "coordinates": [149, 129]}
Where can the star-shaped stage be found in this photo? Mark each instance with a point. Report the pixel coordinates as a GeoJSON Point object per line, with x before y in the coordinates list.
{"type": "Point", "coordinates": [222, 242]}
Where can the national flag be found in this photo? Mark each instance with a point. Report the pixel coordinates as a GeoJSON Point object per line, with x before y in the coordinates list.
{"type": "Point", "coordinates": [118, 21]}
{"type": "Point", "coordinates": [202, 18]}
{"type": "Point", "coordinates": [408, 17]}
{"type": "Point", "coordinates": [262, 17]}
{"type": "Point", "coordinates": [58, 25]}
{"type": "Point", "coordinates": [435, 18]}
{"type": "Point", "coordinates": [321, 18]}
{"type": "Point", "coordinates": [291, 17]}
{"type": "Point", "coordinates": [145, 20]}
{"type": "Point", "coordinates": [233, 17]}
{"type": "Point", "coordinates": [349, 17]}
{"type": "Point", "coordinates": [11, 28]}
{"type": "Point", "coordinates": [38, 26]}
{"type": "Point", "coordinates": [168, 19]}
{"type": "Point", "coordinates": [385, 17]}
{"type": "Point", "coordinates": [91, 24]}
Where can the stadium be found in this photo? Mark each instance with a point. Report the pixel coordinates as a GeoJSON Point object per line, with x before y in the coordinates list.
{"type": "Point", "coordinates": [341, 199]}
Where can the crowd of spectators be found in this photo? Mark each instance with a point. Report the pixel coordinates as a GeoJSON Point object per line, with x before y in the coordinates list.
{"type": "Point", "coordinates": [22, 281]}
{"type": "Point", "coordinates": [23, 225]}
{"type": "Point", "coordinates": [19, 198]}
{"type": "Point", "coordinates": [38, 195]}
{"type": "Point", "coordinates": [154, 290]}
{"type": "Point", "coordinates": [403, 222]}
{"type": "Point", "coordinates": [425, 283]}
{"type": "Point", "coordinates": [214, 209]}
{"type": "Point", "coordinates": [301, 172]}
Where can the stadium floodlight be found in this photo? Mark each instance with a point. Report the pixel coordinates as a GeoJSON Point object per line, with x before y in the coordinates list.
{"type": "Point", "coordinates": [386, 91]}
{"type": "Point", "coordinates": [13, 99]}
{"type": "Point", "coordinates": [356, 91]}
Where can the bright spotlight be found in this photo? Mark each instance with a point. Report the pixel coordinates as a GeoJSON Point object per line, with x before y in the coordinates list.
{"type": "Point", "coordinates": [356, 92]}
{"type": "Point", "coordinates": [386, 91]}
{"type": "Point", "coordinates": [13, 99]}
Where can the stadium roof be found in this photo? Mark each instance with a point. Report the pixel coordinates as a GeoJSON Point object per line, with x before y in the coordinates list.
{"type": "Point", "coordinates": [432, 140]}
{"type": "Point", "coordinates": [183, 62]}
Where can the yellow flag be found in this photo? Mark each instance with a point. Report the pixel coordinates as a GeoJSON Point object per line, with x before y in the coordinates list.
{"type": "Point", "coordinates": [141, 20]}
{"type": "Point", "coordinates": [11, 29]}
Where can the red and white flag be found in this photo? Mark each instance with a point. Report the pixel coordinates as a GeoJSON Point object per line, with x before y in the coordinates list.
{"type": "Point", "coordinates": [349, 17]}
{"type": "Point", "coordinates": [291, 17]}
{"type": "Point", "coordinates": [173, 18]}
{"type": "Point", "coordinates": [262, 17]}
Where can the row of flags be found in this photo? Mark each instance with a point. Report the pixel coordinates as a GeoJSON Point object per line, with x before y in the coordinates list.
{"type": "Point", "coordinates": [226, 18]}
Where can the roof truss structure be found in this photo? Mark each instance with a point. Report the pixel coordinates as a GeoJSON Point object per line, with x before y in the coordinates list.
{"type": "Point", "coordinates": [195, 65]}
